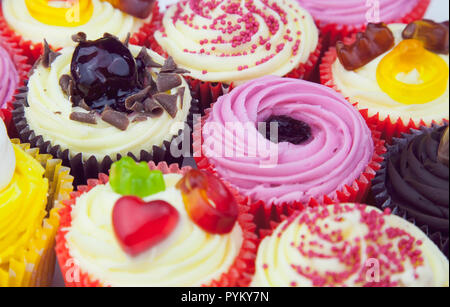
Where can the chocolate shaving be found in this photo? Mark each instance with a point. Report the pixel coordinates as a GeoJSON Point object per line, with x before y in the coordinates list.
{"type": "Point", "coordinates": [181, 71]}
{"type": "Point", "coordinates": [169, 65]}
{"type": "Point", "coordinates": [80, 37]}
{"type": "Point", "coordinates": [136, 107]}
{"type": "Point", "coordinates": [147, 59]}
{"type": "Point", "coordinates": [83, 104]}
{"type": "Point", "coordinates": [181, 92]}
{"type": "Point", "coordinates": [49, 55]}
{"type": "Point", "coordinates": [168, 102]}
{"type": "Point", "coordinates": [167, 81]}
{"type": "Point", "coordinates": [116, 119]}
{"type": "Point", "coordinates": [152, 108]}
{"type": "Point", "coordinates": [88, 118]}
{"type": "Point", "coordinates": [138, 97]}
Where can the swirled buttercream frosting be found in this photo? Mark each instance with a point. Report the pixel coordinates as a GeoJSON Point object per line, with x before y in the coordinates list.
{"type": "Point", "coordinates": [418, 182]}
{"type": "Point", "coordinates": [188, 257]}
{"type": "Point", "coordinates": [35, 20]}
{"type": "Point", "coordinates": [8, 77]}
{"type": "Point", "coordinates": [324, 141]}
{"type": "Point", "coordinates": [355, 12]}
{"type": "Point", "coordinates": [349, 245]}
{"type": "Point", "coordinates": [236, 41]}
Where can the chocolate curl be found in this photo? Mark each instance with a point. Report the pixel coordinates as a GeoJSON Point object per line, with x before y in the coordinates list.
{"type": "Point", "coordinates": [376, 40]}
{"type": "Point", "coordinates": [167, 81]}
{"type": "Point", "coordinates": [434, 35]}
{"type": "Point", "coordinates": [169, 65]}
{"type": "Point", "coordinates": [49, 55]}
{"type": "Point", "coordinates": [67, 84]}
{"type": "Point", "coordinates": [116, 119]}
{"type": "Point", "coordinates": [147, 59]}
{"type": "Point", "coordinates": [168, 102]}
{"type": "Point", "coordinates": [138, 97]}
{"type": "Point", "coordinates": [87, 118]}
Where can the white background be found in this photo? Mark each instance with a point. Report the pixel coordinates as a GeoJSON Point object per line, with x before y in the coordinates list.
{"type": "Point", "coordinates": [438, 11]}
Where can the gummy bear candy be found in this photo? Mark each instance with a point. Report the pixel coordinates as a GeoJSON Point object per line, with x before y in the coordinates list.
{"type": "Point", "coordinates": [408, 56]}
{"type": "Point", "coordinates": [137, 8]}
{"type": "Point", "coordinates": [208, 202]}
{"type": "Point", "coordinates": [130, 178]}
{"type": "Point", "coordinates": [376, 40]}
{"type": "Point", "coordinates": [78, 13]}
{"type": "Point", "coordinates": [434, 35]}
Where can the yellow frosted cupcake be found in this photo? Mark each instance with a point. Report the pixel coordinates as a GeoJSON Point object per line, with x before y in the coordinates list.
{"type": "Point", "coordinates": [30, 185]}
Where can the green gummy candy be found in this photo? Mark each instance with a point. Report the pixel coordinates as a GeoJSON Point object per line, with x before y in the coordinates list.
{"type": "Point", "coordinates": [130, 178]}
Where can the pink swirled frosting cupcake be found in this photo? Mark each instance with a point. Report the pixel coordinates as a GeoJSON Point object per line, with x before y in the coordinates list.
{"type": "Point", "coordinates": [356, 12]}
{"type": "Point", "coordinates": [322, 143]}
{"type": "Point", "coordinates": [8, 77]}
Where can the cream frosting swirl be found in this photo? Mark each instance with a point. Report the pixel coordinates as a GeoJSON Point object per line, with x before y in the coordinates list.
{"type": "Point", "coordinates": [49, 112]}
{"type": "Point", "coordinates": [189, 257]}
{"type": "Point", "coordinates": [349, 245]}
{"type": "Point", "coordinates": [361, 86]}
{"type": "Point", "coordinates": [105, 18]}
{"type": "Point", "coordinates": [236, 41]}
{"type": "Point", "coordinates": [355, 12]}
{"type": "Point", "coordinates": [9, 77]}
{"type": "Point", "coordinates": [336, 154]}
{"type": "Point", "coordinates": [7, 158]}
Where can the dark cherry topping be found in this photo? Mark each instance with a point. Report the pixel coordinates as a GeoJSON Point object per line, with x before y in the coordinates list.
{"type": "Point", "coordinates": [105, 73]}
{"type": "Point", "coordinates": [289, 130]}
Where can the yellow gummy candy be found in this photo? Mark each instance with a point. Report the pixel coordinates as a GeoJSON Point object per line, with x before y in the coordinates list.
{"type": "Point", "coordinates": [78, 12]}
{"type": "Point", "coordinates": [408, 56]}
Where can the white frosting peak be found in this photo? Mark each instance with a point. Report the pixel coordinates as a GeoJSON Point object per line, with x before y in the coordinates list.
{"type": "Point", "coordinates": [7, 158]}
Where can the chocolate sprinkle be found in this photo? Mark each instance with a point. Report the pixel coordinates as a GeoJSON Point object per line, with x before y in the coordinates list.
{"type": "Point", "coordinates": [167, 81]}
{"type": "Point", "coordinates": [80, 37]}
{"type": "Point", "coordinates": [168, 102]}
{"type": "Point", "coordinates": [169, 65]}
{"type": "Point", "coordinates": [116, 119]}
{"type": "Point", "coordinates": [147, 59]}
{"type": "Point", "coordinates": [152, 108]}
{"type": "Point", "coordinates": [49, 55]}
{"type": "Point", "coordinates": [181, 92]}
{"type": "Point", "coordinates": [88, 118]}
{"type": "Point", "coordinates": [140, 118]}
{"type": "Point", "coordinates": [127, 39]}
{"type": "Point", "coordinates": [65, 82]}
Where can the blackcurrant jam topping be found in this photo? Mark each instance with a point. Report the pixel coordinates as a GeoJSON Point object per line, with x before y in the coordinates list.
{"type": "Point", "coordinates": [289, 130]}
{"type": "Point", "coordinates": [105, 73]}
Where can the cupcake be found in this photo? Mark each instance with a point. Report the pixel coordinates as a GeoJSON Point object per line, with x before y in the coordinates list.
{"type": "Point", "coordinates": [349, 245]}
{"type": "Point", "coordinates": [396, 74]}
{"type": "Point", "coordinates": [13, 69]}
{"type": "Point", "coordinates": [285, 142]}
{"type": "Point", "coordinates": [231, 42]}
{"type": "Point", "coordinates": [31, 21]}
{"type": "Point", "coordinates": [155, 226]}
{"type": "Point", "coordinates": [31, 184]}
{"type": "Point", "coordinates": [339, 19]}
{"type": "Point", "coordinates": [413, 181]}
{"type": "Point", "coordinates": [92, 104]}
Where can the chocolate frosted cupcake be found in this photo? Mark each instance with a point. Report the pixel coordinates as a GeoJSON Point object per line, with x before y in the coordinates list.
{"type": "Point", "coordinates": [103, 100]}
{"type": "Point", "coordinates": [414, 179]}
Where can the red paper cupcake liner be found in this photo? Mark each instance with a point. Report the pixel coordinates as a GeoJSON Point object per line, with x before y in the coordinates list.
{"type": "Point", "coordinates": [6, 116]}
{"type": "Point", "coordinates": [18, 57]}
{"type": "Point", "coordinates": [332, 32]}
{"type": "Point", "coordinates": [389, 127]}
{"type": "Point", "coordinates": [208, 92]}
{"type": "Point", "coordinates": [33, 51]}
{"type": "Point", "coordinates": [265, 213]}
{"type": "Point", "coordinates": [240, 273]}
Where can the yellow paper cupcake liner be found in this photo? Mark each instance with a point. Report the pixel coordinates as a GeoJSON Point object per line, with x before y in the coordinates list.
{"type": "Point", "coordinates": [33, 265]}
